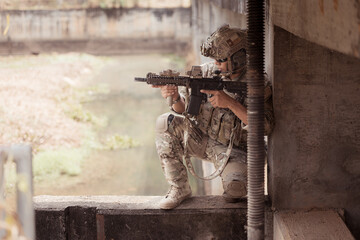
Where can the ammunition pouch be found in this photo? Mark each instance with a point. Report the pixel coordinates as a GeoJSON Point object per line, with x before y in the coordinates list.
{"type": "Point", "coordinates": [204, 117]}
{"type": "Point", "coordinates": [218, 124]}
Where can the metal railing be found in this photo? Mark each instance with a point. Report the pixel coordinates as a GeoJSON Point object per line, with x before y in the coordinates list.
{"type": "Point", "coordinates": [22, 156]}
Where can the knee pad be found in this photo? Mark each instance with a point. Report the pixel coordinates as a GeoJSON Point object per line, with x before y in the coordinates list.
{"type": "Point", "coordinates": [163, 122]}
{"type": "Point", "coordinates": [234, 179]}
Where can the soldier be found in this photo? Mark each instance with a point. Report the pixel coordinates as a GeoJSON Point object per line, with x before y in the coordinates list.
{"type": "Point", "coordinates": [220, 127]}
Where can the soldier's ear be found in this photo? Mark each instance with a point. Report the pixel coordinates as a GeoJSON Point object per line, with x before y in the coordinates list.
{"type": "Point", "coordinates": [238, 60]}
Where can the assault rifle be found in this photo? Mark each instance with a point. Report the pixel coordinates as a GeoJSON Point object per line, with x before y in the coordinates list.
{"type": "Point", "coordinates": [195, 81]}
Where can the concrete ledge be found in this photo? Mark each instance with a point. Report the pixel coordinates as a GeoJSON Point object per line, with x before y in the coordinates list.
{"type": "Point", "coordinates": [315, 224]}
{"type": "Point", "coordinates": [96, 46]}
{"type": "Point", "coordinates": [137, 217]}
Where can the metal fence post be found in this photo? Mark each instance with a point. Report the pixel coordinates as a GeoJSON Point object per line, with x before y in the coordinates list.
{"type": "Point", "coordinates": [3, 158]}
{"type": "Point", "coordinates": [24, 189]}
{"type": "Point", "coordinates": [22, 155]}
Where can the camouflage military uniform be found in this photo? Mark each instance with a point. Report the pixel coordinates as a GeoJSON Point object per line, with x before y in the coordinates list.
{"type": "Point", "coordinates": [208, 139]}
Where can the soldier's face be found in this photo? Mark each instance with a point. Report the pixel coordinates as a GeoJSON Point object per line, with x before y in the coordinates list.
{"type": "Point", "coordinates": [222, 66]}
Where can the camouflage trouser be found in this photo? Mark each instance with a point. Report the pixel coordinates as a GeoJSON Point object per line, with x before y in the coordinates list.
{"type": "Point", "coordinates": [170, 146]}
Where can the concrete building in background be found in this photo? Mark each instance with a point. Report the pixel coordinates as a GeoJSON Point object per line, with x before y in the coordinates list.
{"type": "Point", "coordinates": [107, 31]}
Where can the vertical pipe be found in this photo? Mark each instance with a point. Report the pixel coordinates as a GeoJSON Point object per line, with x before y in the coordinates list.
{"type": "Point", "coordinates": [24, 189]}
{"type": "Point", "coordinates": [255, 112]}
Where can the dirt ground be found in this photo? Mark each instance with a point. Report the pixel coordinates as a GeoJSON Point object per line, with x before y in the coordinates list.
{"type": "Point", "coordinates": [34, 90]}
{"type": "Point", "coordinates": [30, 88]}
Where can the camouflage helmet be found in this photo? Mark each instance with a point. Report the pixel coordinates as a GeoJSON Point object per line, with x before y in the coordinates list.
{"type": "Point", "coordinates": [224, 42]}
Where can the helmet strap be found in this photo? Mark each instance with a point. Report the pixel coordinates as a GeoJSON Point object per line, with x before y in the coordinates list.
{"type": "Point", "coordinates": [232, 72]}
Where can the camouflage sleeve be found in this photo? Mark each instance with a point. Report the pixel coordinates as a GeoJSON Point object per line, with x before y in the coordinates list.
{"type": "Point", "coordinates": [182, 91]}
{"type": "Point", "coordinates": [268, 110]}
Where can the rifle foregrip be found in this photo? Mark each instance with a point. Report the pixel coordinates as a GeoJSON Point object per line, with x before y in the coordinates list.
{"type": "Point", "coordinates": [169, 101]}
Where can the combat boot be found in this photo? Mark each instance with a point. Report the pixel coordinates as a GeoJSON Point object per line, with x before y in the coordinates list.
{"type": "Point", "coordinates": [175, 196]}
{"type": "Point", "coordinates": [235, 192]}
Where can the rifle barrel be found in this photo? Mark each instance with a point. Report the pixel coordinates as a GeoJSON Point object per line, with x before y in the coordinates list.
{"type": "Point", "coordinates": [140, 79]}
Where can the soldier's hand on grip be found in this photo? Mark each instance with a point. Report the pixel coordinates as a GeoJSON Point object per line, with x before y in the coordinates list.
{"type": "Point", "coordinates": [168, 90]}
{"type": "Point", "coordinates": [218, 98]}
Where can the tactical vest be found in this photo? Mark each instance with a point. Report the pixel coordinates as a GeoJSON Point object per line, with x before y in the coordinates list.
{"type": "Point", "coordinates": [218, 124]}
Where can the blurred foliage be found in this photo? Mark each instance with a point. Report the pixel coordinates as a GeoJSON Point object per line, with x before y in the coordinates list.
{"type": "Point", "coordinates": [78, 113]}
{"type": "Point", "coordinates": [117, 141]}
{"type": "Point", "coordinates": [75, 88]}
{"type": "Point", "coordinates": [10, 224]}
{"type": "Point", "coordinates": [73, 104]}
{"type": "Point", "coordinates": [52, 163]}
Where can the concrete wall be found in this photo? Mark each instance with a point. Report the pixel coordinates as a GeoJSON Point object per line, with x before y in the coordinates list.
{"type": "Point", "coordinates": [137, 218]}
{"type": "Point", "coordinates": [333, 24]}
{"type": "Point", "coordinates": [315, 148]}
{"type": "Point", "coordinates": [313, 61]}
{"type": "Point", "coordinates": [96, 25]}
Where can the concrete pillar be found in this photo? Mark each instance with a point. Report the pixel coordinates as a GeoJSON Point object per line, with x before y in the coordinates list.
{"type": "Point", "coordinates": [315, 147]}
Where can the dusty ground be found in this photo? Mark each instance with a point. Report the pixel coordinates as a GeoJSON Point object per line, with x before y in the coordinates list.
{"type": "Point", "coordinates": [31, 90]}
